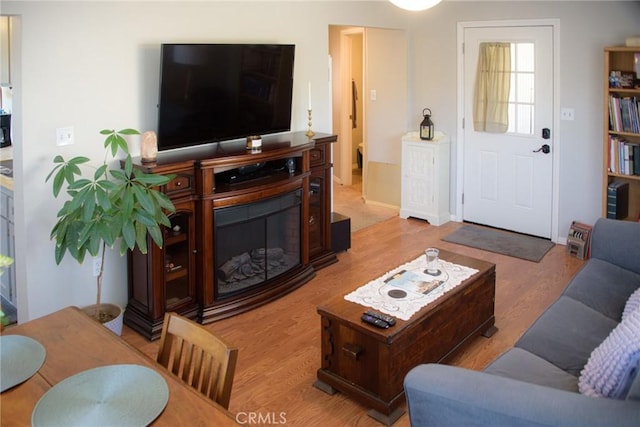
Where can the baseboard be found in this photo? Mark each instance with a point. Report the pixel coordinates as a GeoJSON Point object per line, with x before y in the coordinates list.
{"type": "Point", "coordinates": [384, 205]}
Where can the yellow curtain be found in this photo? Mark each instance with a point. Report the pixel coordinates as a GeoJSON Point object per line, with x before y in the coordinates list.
{"type": "Point", "coordinates": [493, 82]}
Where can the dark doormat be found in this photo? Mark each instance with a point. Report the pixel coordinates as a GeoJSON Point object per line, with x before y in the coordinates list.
{"type": "Point", "coordinates": [500, 241]}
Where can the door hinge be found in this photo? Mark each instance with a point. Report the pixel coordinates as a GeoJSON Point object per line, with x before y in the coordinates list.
{"type": "Point", "coordinates": [463, 48]}
{"type": "Point", "coordinates": [463, 198]}
{"type": "Point", "coordinates": [463, 123]}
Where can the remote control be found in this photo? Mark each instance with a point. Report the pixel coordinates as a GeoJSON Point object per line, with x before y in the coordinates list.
{"type": "Point", "coordinates": [375, 321]}
{"type": "Point", "coordinates": [390, 320]}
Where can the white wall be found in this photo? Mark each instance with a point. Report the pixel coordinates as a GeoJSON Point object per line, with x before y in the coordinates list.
{"type": "Point", "coordinates": [94, 65]}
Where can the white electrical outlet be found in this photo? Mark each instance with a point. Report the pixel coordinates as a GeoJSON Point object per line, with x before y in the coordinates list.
{"type": "Point", "coordinates": [374, 94]}
{"type": "Point", "coordinates": [566, 113]}
{"type": "Point", "coordinates": [97, 263]}
{"type": "Point", "coordinates": [64, 136]}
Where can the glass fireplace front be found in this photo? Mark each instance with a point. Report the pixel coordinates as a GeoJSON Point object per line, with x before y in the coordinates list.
{"type": "Point", "coordinates": [256, 242]}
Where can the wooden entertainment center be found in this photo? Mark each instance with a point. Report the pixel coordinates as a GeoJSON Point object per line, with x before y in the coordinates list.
{"type": "Point", "coordinates": [182, 276]}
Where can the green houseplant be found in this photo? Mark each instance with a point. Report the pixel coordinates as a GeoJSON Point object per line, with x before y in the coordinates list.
{"type": "Point", "coordinates": [113, 203]}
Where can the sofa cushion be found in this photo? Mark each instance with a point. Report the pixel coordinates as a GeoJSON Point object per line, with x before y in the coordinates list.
{"type": "Point", "coordinates": [521, 365]}
{"type": "Point", "coordinates": [566, 334]}
{"type": "Point", "coordinates": [633, 304]}
{"type": "Point", "coordinates": [614, 364]}
{"type": "Point", "coordinates": [604, 287]}
{"type": "Point", "coordinates": [617, 242]}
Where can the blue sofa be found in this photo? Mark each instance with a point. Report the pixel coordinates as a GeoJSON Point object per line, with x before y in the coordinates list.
{"type": "Point", "coordinates": [541, 380]}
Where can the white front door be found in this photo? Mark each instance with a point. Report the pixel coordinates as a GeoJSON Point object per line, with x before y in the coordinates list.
{"type": "Point", "coordinates": [508, 177]}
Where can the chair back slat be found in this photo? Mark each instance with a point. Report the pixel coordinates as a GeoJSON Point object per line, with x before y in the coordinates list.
{"type": "Point", "coordinates": [197, 357]}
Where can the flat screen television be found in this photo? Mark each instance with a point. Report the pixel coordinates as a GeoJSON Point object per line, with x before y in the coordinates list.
{"type": "Point", "coordinates": [217, 92]}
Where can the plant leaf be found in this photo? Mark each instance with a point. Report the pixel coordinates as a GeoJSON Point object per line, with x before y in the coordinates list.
{"type": "Point", "coordinates": [126, 203]}
{"type": "Point", "coordinates": [88, 206]}
{"type": "Point", "coordinates": [141, 237]}
{"type": "Point", "coordinates": [156, 234]}
{"type": "Point", "coordinates": [128, 166]}
{"type": "Point", "coordinates": [58, 180]}
{"type": "Point", "coordinates": [129, 234]}
{"type": "Point", "coordinates": [145, 200]}
{"type": "Point", "coordinates": [153, 179]}
{"type": "Point", "coordinates": [163, 201]}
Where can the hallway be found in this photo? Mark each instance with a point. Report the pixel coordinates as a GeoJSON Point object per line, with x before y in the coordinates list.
{"type": "Point", "coordinates": [347, 200]}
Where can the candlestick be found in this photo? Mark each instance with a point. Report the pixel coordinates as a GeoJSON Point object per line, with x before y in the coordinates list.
{"type": "Point", "coordinates": [310, 133]}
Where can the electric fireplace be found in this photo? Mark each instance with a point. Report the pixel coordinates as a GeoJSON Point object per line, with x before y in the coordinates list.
{"type": "Point", "coordinates": [255, 243]}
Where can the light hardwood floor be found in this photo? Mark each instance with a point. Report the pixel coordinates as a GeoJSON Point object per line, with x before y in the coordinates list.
{"type": "Point", "coordinates": [279, 343]}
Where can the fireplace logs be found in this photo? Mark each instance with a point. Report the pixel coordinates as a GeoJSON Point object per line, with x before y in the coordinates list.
{"type": "Point", "coordinates": [249, 264]}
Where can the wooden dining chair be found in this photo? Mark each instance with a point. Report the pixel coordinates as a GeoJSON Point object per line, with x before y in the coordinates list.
{"type": "Point", "coordinates": [199, 358]}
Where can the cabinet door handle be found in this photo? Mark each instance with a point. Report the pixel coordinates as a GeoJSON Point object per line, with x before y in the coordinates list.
{"type": "Point", "coordinates": [351, 350]}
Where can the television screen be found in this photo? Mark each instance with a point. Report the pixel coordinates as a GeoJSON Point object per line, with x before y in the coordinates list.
{"type": "Point", "coordinates": [218, 92]}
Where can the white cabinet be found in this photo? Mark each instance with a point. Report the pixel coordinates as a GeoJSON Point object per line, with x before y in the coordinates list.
{"type": "Point", "coordinates": [425, 178]}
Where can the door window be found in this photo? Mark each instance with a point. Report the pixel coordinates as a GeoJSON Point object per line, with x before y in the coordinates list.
{"type": "Point", "coordinates": [521, 95]}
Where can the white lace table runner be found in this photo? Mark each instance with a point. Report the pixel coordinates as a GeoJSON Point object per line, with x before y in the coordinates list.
{"type": "Point", "coordinates": [398, 293]}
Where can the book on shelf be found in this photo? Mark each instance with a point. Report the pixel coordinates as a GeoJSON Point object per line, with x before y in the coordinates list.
{"type": "Point", "coordinates": [614, 113]}
{"type": "Point", "coordinates": [628, 161]}
{"type": "Point", "coordinates": [624, 156]}
{"type": "Point", "coordinates": [617, 200]}
{"type": "Point", "coordinates": [624, 113]}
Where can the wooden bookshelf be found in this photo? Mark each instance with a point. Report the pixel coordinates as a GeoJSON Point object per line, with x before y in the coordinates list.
{"type": "Point", "coordinates": [619, 133]}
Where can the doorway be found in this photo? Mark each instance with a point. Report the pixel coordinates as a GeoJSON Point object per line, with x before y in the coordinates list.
{"type": "Point", "coordinates": [369, 112]}
{"type": "Point", "coordinates": [347, 51]}
{"type": "Point", "coordinates": [509, 177]}
{"type": "Point", "coordinates": [356, 66]}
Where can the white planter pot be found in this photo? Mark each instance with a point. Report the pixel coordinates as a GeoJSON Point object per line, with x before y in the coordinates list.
{"type": "Point", "coordinates": [114, 311]}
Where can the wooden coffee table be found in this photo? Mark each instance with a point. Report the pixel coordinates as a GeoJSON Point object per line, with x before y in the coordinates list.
{"type": "Point", "coordinates": [369, 364]}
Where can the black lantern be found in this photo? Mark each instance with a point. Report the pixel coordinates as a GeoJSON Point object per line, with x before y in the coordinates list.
{"type": "Point", "coordinates": [426, 127]}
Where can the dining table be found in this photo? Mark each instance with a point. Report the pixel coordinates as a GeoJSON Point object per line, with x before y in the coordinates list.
{"type": "Point", "coordinates": [73, 344]}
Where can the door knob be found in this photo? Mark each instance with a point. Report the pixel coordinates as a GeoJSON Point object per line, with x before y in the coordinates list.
{"type": "Point", "coordinates": [545, 149]}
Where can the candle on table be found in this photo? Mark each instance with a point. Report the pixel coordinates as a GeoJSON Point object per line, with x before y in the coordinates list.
{"type": "Point", "coordinates": [309, 96]}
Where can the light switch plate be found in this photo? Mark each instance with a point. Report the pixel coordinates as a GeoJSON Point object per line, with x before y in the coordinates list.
{"type": "Point", "coordinates": [567, 114]}
{"type": "Point", "coordinates": [64, 136]}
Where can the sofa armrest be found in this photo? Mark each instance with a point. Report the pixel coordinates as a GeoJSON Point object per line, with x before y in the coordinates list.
{"type": "Point", "coordinates": [617, 242]}
{"type": "Point", "coordinates": [440, 395]}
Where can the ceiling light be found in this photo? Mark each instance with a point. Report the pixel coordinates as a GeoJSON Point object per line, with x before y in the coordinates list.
{"type": "Point", "coordinates": [415, 5]}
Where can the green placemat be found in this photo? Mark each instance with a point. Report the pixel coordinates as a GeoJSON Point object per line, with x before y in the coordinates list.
{"type": "Point", "coordinates": [115, 395]}
{"type": "Point", "coordinates": [20, 358]}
